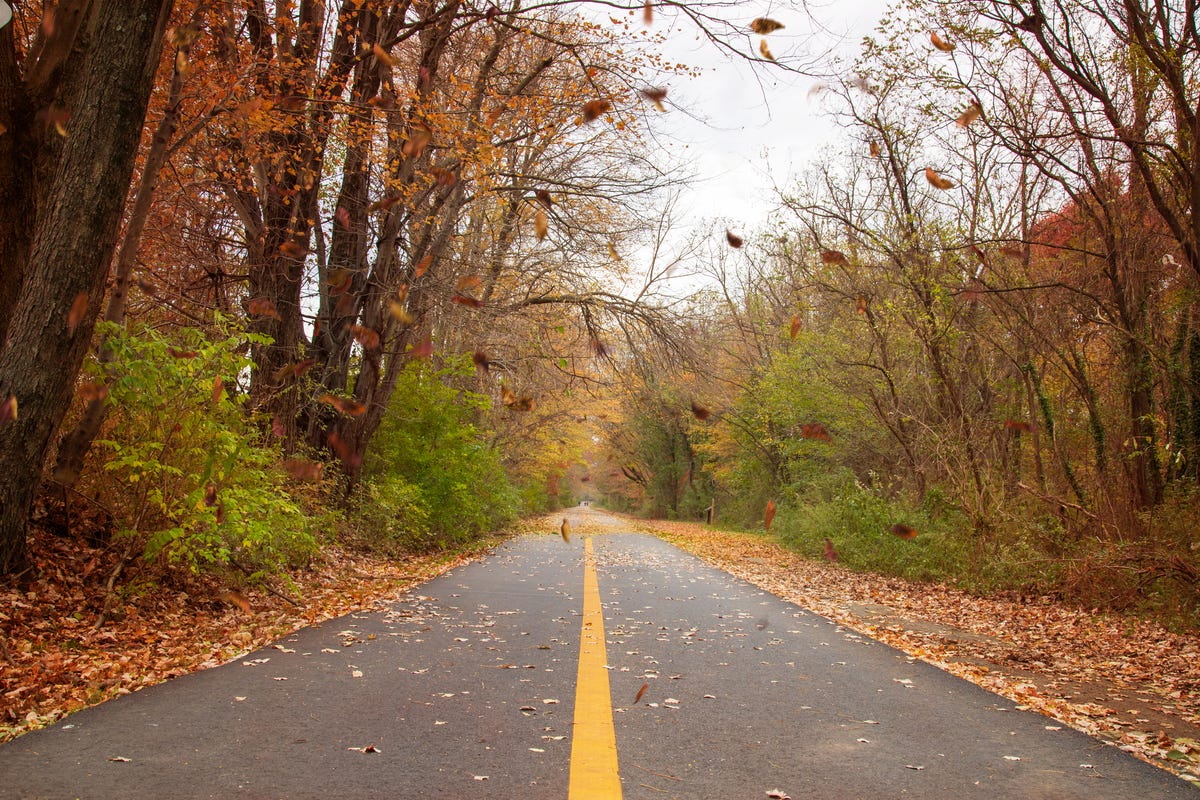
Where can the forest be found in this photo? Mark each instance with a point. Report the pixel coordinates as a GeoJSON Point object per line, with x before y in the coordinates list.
{"type": "Point", "coordinates": [279, 276]}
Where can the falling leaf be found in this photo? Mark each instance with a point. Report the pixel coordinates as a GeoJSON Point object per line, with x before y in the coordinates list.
{"type": "Point", "coordinates": [875, 151]}
{"type": "Point", "coordinates": [795, 329]}
{"type": "Point", "coordinates": [1018, 426]}
{"type": "Point", "coordinates": [262, 307]}
{"type": "Point", "coordinates": [648, 13]}
{"type": "Point", "coordinates": [343, 451]}
{"type": "Point", "coordinates": [303, 470]}
{"type": "Point", "coordinates": [769, 516]}
{"type": "Point", "coordinates": [293, 250]}
{"type": "Point", "coordinates": [734, 240]}
{"type": "Point", "coordinates": [766, 51]}
{"type": "Point", "coordinates": [277, 428]}
{"type": "Point", "coordinates": [293, 370]}
{"type": "Point", "coordinates": [365, 336]}
{"type": "Point", "coordinates": [466, 300]}
{"type": "Point", "coordinates": [401, 314]}
{"type": "Point", "coordinates": [765, 25]}
{"type": "Point", "coordinates": [422, 349]}
{"type": "Point", "coordinates": [940, 43]}
{"type": "Point", "coordinates": [814, 430]}
{"type": "Point", "coordinates": [834, 257]}
{"type": "Point", "coordinates": [482, 361]}
{"type": "Point", "coordinates": [544, 197]}
{"type": "Point", "coordinates": [830, 552]}
{"type": "Point", "coordinates": [384, 56]}
{"type": "Point", "coordinates": [8, 409]}
{"type": "Point", "coordinates": [594, 109]}
{"type": "Point", "coordinates": [937, 181]}
{"type": "Point", "coordinates": [655, 95]}
{"type": "Point", "coordinates": [598, 347]}
{"type": "Point", "coordinates": [917, 767]}
{"type": "Point", "coordinates": [175, 352]}
{"type": "Point", "coordinates": [700, 412]}
{"type": "Point", "coordinates": [345, 405]}
{"type": "Point", "coordinates": [210, 495]}
{"type": "Point", "coordinates": [1031, 22]}
{"type": "Point", "coordinates": [443, 177]}
{"type": "Point", "coordinates": [973, 112]}
{"type": "Point", "coordinates": [565, 530]}
{"type": "Point", "coordinates": [236, 598]}
{"type": "Point", "coordinates": [541, 225]}
{"type": "Point", "coordinates": [418, 139]}
{"type": "Point", "coordinates": [218, 390]}
{"type": "Point", "coordinates": [423, 265]}
{"type": "Point", "coordinates": [860, 304]}
{"type": "Point", "coordinates": [93, 391]}
{"type": "Point", "coordinates": [904, 531]}
{"type": "Point", "coordinates": [78, 309]}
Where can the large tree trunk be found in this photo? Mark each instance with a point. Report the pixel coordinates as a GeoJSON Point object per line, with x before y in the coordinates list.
{"type": "Point", "coordinates": [73, 219]}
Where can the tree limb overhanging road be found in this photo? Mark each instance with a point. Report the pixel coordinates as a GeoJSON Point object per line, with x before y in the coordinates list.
{"type": "Point", "coordinates": [467, 687]}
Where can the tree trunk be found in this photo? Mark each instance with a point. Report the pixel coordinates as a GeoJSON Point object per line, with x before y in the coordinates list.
{"type": "Point", "coordinates": [105, 87]}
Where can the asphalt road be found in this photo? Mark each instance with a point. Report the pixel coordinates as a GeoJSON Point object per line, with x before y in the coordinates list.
{"type": "Point", "coordinates": [466, 688]}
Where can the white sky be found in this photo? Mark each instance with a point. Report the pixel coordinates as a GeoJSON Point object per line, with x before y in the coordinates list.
{"type": "Point", "coordinates": [744, 134]}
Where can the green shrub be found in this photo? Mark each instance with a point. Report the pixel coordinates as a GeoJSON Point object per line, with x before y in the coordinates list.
{"type": "Point", "coordinates": [200, 490]}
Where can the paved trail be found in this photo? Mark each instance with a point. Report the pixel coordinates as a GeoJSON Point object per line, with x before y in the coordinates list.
{"type": "Point", "coordinates": [474, 687]}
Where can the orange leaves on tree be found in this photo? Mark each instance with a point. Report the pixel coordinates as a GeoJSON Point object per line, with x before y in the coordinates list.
{"type": "Point", "coordinates": [769, 515]}
{"type": "Point", "coordinates": [765, 25]}
{"type": "Point", "coordinates": [814, 430]}
{"type": "Point", "coordinates": [655, 95]}
{"type": "Point", "coordinates": [262, 307]}
{"type": "Point", "coordinates": [734, 240]}
{"type": "Point", "coordinates": [365, 336]}
{"type": "Point", "coordinates": [937, 181]}
{"type": "Point", "coordinates": [78, 309]}
{"type": "Point", "coordinates": [345, 405]}
{"type": "Point", "coordinates": [700, 412]}
{"type": "Point", "coordinates": [904, 531]}
{"type": "Point", "coordinates": [794, 331]}
{"type": "Point", "coordinates": [594, 109]}
{"type": "Point", "coordinates": [940, 43]}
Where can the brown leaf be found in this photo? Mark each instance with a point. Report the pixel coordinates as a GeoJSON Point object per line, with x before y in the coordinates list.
{"type": "Point", "coordinates": [365, 336]}
{"type": "Point", "coordinates": [972, 113]}
{"type": "Point", "coordinates": [175, 352]}
{"type": "Point", "coordinates": [236, 598]}
{"type": "Point", "coordinates": [303, 470]}
{"type": "Point", "coordinates": [344, 451]}
{"type": "Point", "coordinates": [734, 240]}
{"type": "Point", "coordinates": [766, 51]}
{"type": "Point", "coordinates": [655, 95]}
{"type": "Point", "coordinates": [594, 109]}
{"type": "Point", "coordinates": [904, 531]}
{"type": "Point", "coordinates": [700, 412]}
{"type": "Point", "coordinates": [466, 300]}
{"type": "Point", "coordinates": [814, 430]}
{"type": "Point", "coordinates": [860, 304]}
{"type": "Point", "coordinates": [541, 225]}
{"type": "Point", "coordinates": [443, 177]}
{"type": "Point", "coordinates": [423, 265]}
{"type": "Point", "coordinates": [598, 347]}
{"type": "Point", "coordinates": [342, 217]}
{"type": "Point", "coordinates": [795, 329]}
{"type": "Point", "coordinates": [830, 553]}
{"type": "Point", "coordinates": [834, 257]}
{"type": "Point", "coordinates": [640, 693]}
{"type": "Point", "coordinates": [543, 197]}
{"type": "Point", "coordinates": [422, 349]}
{"type": "Point", "coordinates": [875, 151]}
{"type": "Point", "coordinates": [769, 516]}
{"type": "Point", "coordinates": [648, 13]}
{"type": "Point", "coordinates": [218, 390]}
{"type": "Point", "coordinates": [293, 250]}
{"type": "Point", "coordinates": [210, 495]}
{"type": "Point", "coordinates": [765, 25]}
{"type": "Point", "coordinates": [384, 56]}
{"type": "Point", "coordinates": [1018, 426]}
{"type": "Point", "coordinates": [937, 181]}
{"type": "Point", "coordinates": [262, 307]}
{"type": "Point", "coordinates": [565, 530]}
{"type": "Point", "coordinates": [345, 405]}
{"type": "Point", "coordinates": [940, 43]}
{"type": "Point", "coordinates": [277, 428]}
{"type": "Point", "coordinates": [293, 370]}
{"type": "Point", "coordinates": [418, 139]}
{"type": "Point", "coordinates": [467, 282]}
{"type": "Point", "coordinates": [92, 391]}
{"type": "Point", "coordinates": [78, 309]}
{"type": "Point", "coordinates": [482, 361]}
{"type": "Point", "coordinates": [8, 409]}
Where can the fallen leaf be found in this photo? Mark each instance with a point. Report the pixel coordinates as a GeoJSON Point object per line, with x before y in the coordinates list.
{"type": "Point", "coordinates": [642, 691]}
{"type": "Point", "coordinates": [368, 749]}
{"type": "Point", "coordinates": [120, 759]}
{"type": "Point", "coordinates": [778, 794]}
{"type": "Point", "coordinates": [565, 530]}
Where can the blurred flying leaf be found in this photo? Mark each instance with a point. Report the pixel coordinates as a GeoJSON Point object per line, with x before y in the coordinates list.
{"type": "Point", "coordinates": [973, 112]}
{"type": "Point", "coordinates": [830, 553]}
{"type": "Point", "coordinates": [940, 43]}
{"type": "Point", "coordinates": [700, 412]}
{"type": "Point", "coordinates": [655, 95]}
{"type": "Point", "coordinates": [734, 240]}
{"type": "Point", "coordinates": [765, 50]}
{"type": "Point", "coordinates": [904, 531]}
{"type": "Point", "coordinates": [765, 25]}
{"type": "Point", "coordinates": [937, 181]}
{"type": "Point", "coordinates": [769, 516]}
{"type": "Point", "coordinates": [78, 309]}
{"type": "Point", "coordinates": [594, 109]}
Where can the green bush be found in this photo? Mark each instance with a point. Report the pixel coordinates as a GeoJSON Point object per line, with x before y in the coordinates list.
{"type": "Point", "coordinates": [200, 490]}
{"type": "Point", "coordinates": [433, 466]}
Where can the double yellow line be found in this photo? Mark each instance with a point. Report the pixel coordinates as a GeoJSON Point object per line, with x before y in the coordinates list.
{"type": "Point", "coordinates": [594, 774]}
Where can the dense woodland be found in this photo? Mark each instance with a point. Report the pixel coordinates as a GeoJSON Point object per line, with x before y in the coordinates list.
{"type": "Point", "coordinates": [395, 273]}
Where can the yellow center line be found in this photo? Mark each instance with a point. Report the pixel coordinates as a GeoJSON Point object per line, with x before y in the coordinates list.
{"type": "Point", "coordinates": [594, 773]}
